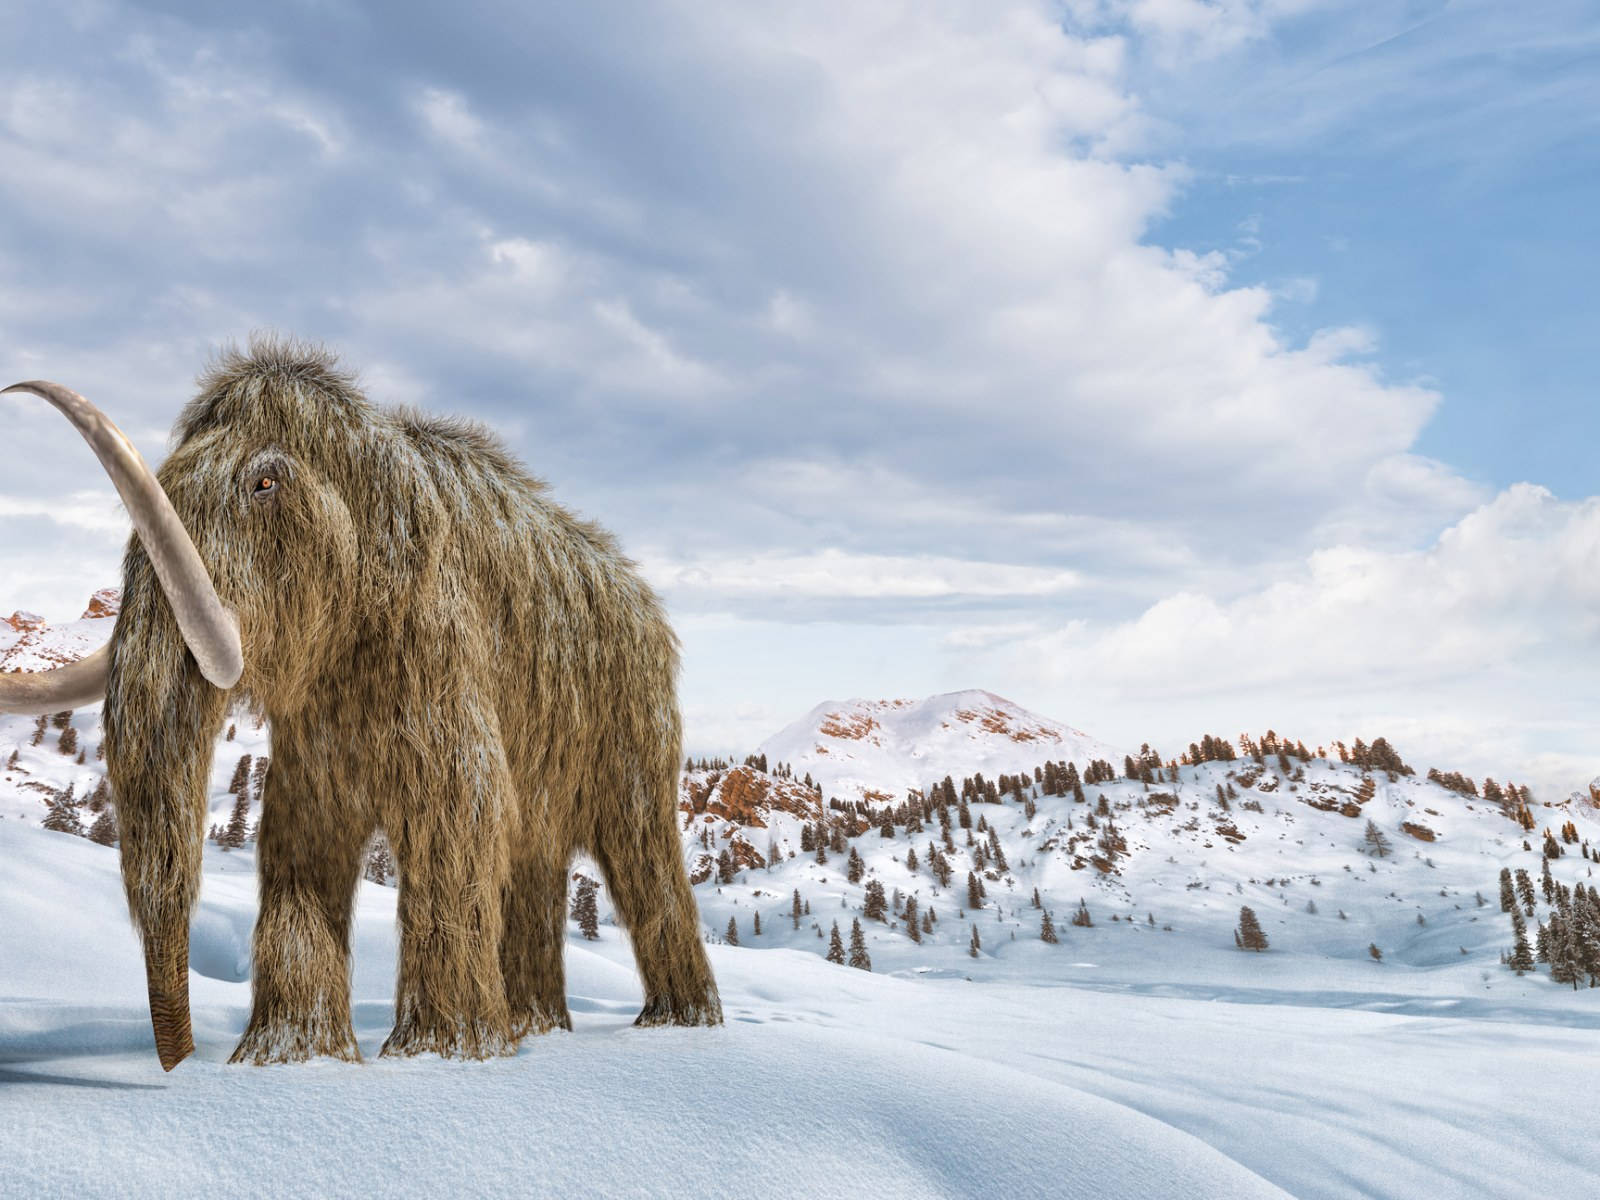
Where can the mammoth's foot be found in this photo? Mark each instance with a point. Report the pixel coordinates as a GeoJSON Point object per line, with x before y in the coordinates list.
{"type": "Point", "coordinates": [286, 1041]}
{"type": "Point", "coordinates": [703, 1009]}
{"type": "Point", "coordinates": [539, 1018]}
{"type": "Point", "coordinates": [458, 1038]}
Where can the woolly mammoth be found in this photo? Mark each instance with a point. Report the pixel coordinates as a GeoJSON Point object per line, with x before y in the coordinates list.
{"type": "Point", "coordinates": [442, 652]}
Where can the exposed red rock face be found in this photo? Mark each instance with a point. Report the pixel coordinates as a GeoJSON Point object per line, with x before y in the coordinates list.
{"type": "Point", "coordinates": [849, 726]}
{"type": "Point", "coordinates": [746, 796]}
{"type": "Point", "coordinates": [107, 602]}
{"type": "Point", "coordinates": [745, 856]}
{"type": "Point", "coordinates": [992, 720]}
{"type": "Point", "coordinates": [24, 622]}
{"type": "Point", "coordinates": [1345, 806]}
{"type": "Point", "coordinates": [1421, 832]}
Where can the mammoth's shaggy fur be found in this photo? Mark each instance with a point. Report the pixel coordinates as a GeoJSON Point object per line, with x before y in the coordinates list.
{"type": "Point", "coordinates": [444, 654]}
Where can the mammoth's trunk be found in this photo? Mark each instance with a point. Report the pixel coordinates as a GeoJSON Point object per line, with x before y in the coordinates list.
{"type": "Point", "coordinates": [161, 722]}
{"type": "Point", "coordinates": [166, 969]}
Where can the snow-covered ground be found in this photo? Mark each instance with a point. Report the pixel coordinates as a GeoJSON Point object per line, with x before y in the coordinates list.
{"type": "Point", "coordinates": [1077, 1070]}
{"type": "Point", "coordinates": [1142, 1056]}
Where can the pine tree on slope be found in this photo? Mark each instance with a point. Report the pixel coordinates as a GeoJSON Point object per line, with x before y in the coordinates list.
{"type": "Point", "coordinates": [835, 946]}
{"type": "Point", "coordinates": [859, 958]}
{"type": "Point", "coordinates": [1251, 935]}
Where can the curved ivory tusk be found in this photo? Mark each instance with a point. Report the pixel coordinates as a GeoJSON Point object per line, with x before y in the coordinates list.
{"type": "Point", "coordinates": [211, 631]}
{"type": "Point", "coordinates": [72, 686]}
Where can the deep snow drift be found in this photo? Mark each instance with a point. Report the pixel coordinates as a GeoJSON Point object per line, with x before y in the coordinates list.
{"type": "Point", "coordinates": [1055, 1074]}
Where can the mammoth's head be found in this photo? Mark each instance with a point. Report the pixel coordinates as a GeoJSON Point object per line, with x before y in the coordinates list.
{"type": "Point", "coordinates": [246, 544]}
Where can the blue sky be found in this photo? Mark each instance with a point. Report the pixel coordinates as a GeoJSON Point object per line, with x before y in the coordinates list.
{"type": "Point", "coordinates": [1432, 167]}
{"type": "Point", "coordinates": [1170, 366]}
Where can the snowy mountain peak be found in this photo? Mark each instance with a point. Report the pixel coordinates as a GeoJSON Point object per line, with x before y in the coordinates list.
{"type": "Point", "coordinates": [875, 749]}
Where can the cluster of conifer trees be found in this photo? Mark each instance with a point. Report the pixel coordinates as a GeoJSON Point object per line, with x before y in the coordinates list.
{"type": "Point", "coordinates": [1568, 939]}
{"type": "Point", "coordinates": [248, 779]}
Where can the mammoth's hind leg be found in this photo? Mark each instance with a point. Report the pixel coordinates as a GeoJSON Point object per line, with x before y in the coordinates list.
{"type": "Point", "coordinates": [533, 942]}
{"type": "Point", "coordinates": [309, 862]}
{"type": "Point", "coordinates": [642, 859]}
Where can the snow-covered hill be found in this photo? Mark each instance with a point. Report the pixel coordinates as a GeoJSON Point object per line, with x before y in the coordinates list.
{"type": "Point", "coordinates": [1170, 862]}
{"type": "Point", "coordinates": [879, 749]}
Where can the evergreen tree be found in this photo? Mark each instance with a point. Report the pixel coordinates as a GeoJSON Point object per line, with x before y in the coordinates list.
{"type": "Point", "coordinates": [1546, 884]}
{"type": "Point", "coordinates": [233, 835]}
{"type": "Point", "coordinates": [974, 890]}
{"type": "Point", "coordinates": [1251, 935]}
{"type": "Point", "coordinates": [996, 852]}
{"type": "Point", "coordinates": [379, 864]}
{"type": "Point", "coordinates": [1036, 902]}
{"type": "Point", "coordinates": [836, 946]}
{"type": "Point", "coordinates": [976, 944]}
{"type": "Point", "coordinates": [726, 871]}
{"type": "Point", "coordinates": [755, 925]}
{"type": "Point", "coordinates": [1564, 964]}
{"type": "Point", "coordinates": [859, 957]}
{"type": "Point", "coordinates": [1081, 917]}
{"type": "Point", "coordinates": [104, 829]}
{"type": "Point", "coordinates": [1525, 889]}
{"type": "Point", "coordinates": [1522, 954]}
{"type": "Point", "coordinates": [913, 925]}
{"type": "Point", "coordinates": [854, 866]}
{"type": "Point", "coordinates": [39, 726]}
{"type": "Point", "coordinates": [62, 814]}
{"type": "Point", "coordinates": [732, 936]}
{"type": "Point", "coordinates": [1047, 929]}
{"type": "Point", "coordinates": [1508, 896]}
{"type": "Point", "coordinates": [241, 774]}
{"type": "Point", "coordinates": [585, 912]}
{"type": "Point", "coordinates": [69, 741]}
{"type": "Point", "coordinates": [795, 909]}
{"type": "Point", "coordinates": [1375, 840]}
{"type": "Point", "coordinates": [877, 904]}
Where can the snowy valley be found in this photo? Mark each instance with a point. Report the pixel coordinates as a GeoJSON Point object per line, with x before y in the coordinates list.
{"type": "Point", "coordinates": [1050, 997]}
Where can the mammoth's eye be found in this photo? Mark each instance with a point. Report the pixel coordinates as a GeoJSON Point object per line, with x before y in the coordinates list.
{"type": "Point", "coordinates": [266, 485]}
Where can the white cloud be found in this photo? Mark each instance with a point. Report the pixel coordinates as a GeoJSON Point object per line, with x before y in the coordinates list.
{"type": "Point", "coordinates": [1493, 628]}
{"type": "Point", "coordinates": [94, 511]}
{"type": "Point", "coordinates": [448, 116]}
{"type": "Point", "coordinates": [835, 574]}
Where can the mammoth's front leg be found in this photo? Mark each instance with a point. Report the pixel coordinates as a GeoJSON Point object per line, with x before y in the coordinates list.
{"type": "Point", "coordinates": [450, 846]}
{"type": "Point", "coordinates": [309, 863]}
